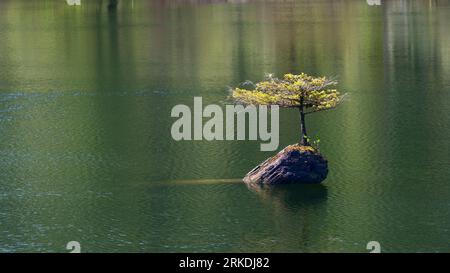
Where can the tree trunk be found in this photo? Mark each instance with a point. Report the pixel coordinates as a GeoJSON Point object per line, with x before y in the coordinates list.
{"type": "Point", "coordinates": [304, 136]}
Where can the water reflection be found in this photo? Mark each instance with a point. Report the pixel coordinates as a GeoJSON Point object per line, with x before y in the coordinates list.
{"type": "Point", "coordinates": [85, 100]}
{"type": "Point", "coordinates": [73, 2]}
{"type": "Point", "coordinates": [294, 197]}
{"type": "Point", "coordinates": [112, 5]}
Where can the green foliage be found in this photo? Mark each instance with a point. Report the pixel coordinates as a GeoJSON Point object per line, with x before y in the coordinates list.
{"type": "Point", "coordinates": [313, 93]}
{"type": "Point", "coordinates": [315, 143]}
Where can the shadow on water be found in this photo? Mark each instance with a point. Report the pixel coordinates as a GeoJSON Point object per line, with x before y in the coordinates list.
{"type": "Point", "coordinates": [291, 196]}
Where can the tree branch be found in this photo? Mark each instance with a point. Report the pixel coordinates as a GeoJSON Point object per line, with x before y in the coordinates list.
{"type": "Point", "coordinates": [331, 108]}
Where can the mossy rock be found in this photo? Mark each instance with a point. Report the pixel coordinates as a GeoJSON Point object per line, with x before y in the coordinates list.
{"type": "Point", "coordinates": [294, 164]}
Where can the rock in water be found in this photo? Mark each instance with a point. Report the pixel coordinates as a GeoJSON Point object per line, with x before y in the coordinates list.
{"type": "Point", "coordinates": [294, 164]}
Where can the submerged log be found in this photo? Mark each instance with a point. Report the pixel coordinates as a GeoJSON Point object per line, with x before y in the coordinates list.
{"type": "Point", "coordinates": [294, 164]}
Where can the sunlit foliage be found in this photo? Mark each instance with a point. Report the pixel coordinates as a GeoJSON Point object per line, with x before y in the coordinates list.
{"type": "Point", "coordinates": [312, 93]}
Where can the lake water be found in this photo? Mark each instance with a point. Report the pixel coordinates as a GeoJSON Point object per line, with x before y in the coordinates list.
{"type": "Point", "coordinates": [86, 152]}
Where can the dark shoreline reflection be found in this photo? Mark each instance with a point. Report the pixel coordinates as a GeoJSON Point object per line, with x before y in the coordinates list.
{"type": "Point", "coordinates": [112, 5]}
